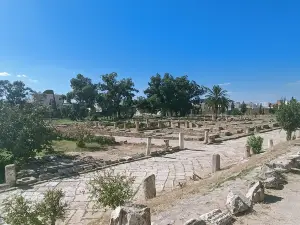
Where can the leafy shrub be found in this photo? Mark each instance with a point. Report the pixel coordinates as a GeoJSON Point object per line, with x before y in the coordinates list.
{"type": "Point", "coordinates": [110, 190]}
{"type": "Point", "coordinates": [255, 142]}
{"type": "Point", "coordinates": [24, 131]}
{"type": "Point", "coordinates": [19, 211]}
{"type": "Point", "coordinates": [235, 112]}
{"type": "Point", "coordinates": [5, 159]}
{"type": "Point", "coordinates": [103, 140]}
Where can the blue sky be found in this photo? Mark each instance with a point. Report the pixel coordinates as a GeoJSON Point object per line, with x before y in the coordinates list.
{"type": "Point", "coordinates": [251, 47]}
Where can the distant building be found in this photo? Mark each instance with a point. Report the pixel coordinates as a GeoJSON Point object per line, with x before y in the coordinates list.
{"type": "Point", "coordinates": [48, 99]}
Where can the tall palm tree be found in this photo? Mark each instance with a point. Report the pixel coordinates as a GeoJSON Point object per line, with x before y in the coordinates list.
{"type": "Point", "coordinates": [217, 99]}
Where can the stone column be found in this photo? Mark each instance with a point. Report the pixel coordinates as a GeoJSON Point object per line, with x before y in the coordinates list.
{"type": "Point", "coordinates": [216, 163]}
{"type": "Point", "coordinates": [256, 129]}
{"type": "Point", "coordinates": [159, 124]}
{"type": "Point", "coordinates": [247, 130]}
{"type": "Point", "coordinates": [10, 175]}
{"type": "Point", "coordinates": [149, 188]}
{"type": "Point", "coordinates": [213, 117]}
{"type": "Point", "coordinates": [270, 144]}
{"type": "Point", "coordinates": [137, 125]}
{"type": "Point", "coordinates": [115, 125]}
{"type": "Point", "coordinates": [206, 132]}
{"type": "Point", "coordinates": [187, 124]}
{"type": "Point", "coordinates": [181, 141]}
{"type": "Point", "coordinates": [125, 125]}
{"type": "Point", "coordinates": [148, 148]}
{"type": "Point", "coordinates": [247, 151]}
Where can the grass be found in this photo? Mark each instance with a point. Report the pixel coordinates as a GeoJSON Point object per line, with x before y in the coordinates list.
{"type": "Point", "coordinates": [70, 146]}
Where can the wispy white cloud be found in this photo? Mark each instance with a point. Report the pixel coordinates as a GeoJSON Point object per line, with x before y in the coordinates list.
{"type": "Point", "coordinates": [225, 84]}
{"type": "Point", "coordinates": [21, 75]}
{"type": "Point", "coordinates": [294, 83]}
{"type": "Point", "coordinates": [4, 74]}
{"type": "Point", "coordinates": [33, 81]}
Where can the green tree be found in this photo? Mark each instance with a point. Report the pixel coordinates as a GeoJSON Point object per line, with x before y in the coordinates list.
{"type": "Point", "coordinates": [115, 95]}
{"type": "Point", "coordinates": [217, 99]}
{"type": "Point", "coordinates": [288, 117]}
{"type": "Point", "coordinates": [232, 105]}
{"type": "Point", "coordinates": [261, 110]}
{"type": "Point", "coordinates": [24, 131]}
{"type": "Point", "coordinates": [15, 93]}
{"type": "Point", "coordinates": [173, 95]}
{"type": "Point", "coordinates": [243, 108]}
{"type": "Point", "coordinates": [84, 92]}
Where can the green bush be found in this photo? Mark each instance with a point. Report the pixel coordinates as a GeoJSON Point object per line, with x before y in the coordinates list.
{"type": "Point", "coordinates": [23, 131]}
{"type": "Point", "coordinates": [19, 211]}
{"type": "Point", "coordinates": [5, 159]}
{"type": "Point", "coordinates": [109, 189]}
{"type": "Point", "coordinates": [255, 142]}
{"type": "Point", "coordinates": [103, 140]}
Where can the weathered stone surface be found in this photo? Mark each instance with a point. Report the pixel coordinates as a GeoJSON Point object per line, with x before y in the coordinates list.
{"type": "Point", "coordinates": [10, 175]}
{"type": "Point", "coordinates": [46, 176]}
{"type": "Point", "coordinates": [195, 222]}
{"type": "Point", "coordinates": [217, 217]}
{"type": "Point", "coordinates": [26, 180]}
{"type": "Point", "coordinates": [26, 173]}
{"type": "Point", "coordinates": [283, 165]}
{"type": "Point", "coordinates": [237, 203]}
{"type": "Point", "coordinates": [149, 188]}
{"type": "Point", "coordinates": [256, 193]}
{"type": "Point", "coordinates": [131, 215]}
{"type": "Point", "coordinates": [271, 178]}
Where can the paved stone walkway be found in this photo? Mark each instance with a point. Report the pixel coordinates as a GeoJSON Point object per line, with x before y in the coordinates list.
{"type": "Point", "coordinates": [169, 170]}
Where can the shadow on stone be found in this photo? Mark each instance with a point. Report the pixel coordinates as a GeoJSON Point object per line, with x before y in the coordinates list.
{"type": "Point", "coordinates": [270, 199]}
{"type": "Point", "coordinates": [295, 171]}
{"type": "Point", "coordinates": [195, 150]}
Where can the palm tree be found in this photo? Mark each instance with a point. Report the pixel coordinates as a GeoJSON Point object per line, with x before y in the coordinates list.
{"type": "Point", "coordinates": [217, 99]}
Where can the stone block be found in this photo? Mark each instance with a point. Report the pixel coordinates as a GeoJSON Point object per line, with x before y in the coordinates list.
{"type": "Point", "coordinates": [26, 180]}
{"type": "Point", "coordinates": [10, 175]}
{"type": "Point", "coordinates": [216, 163]}
{"type": "Point", "coordinates": [237, 203]}
{"type": "Point", "coordinates": [149, 188]}
{"type": "Point", "coordinates": [131, 215]}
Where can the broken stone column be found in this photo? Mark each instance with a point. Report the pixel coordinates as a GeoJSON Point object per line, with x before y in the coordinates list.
{"type": "Point", "coordinates": [270, 144]}
{"type": "Point", "coordinates": [159, 124]}
{"type": "Point", "coordinates": [149, 188]}
{"type": "Point", "coordinates": [137, 125]}
{"type": "Point", "coordinates": [125, 125]}
{"type": "Point", "coordinates": [216, 163]}
{"type": "Point", "coordinates": [147, 123]}
{"type": "Point", "coordinates": [167, 144]}
{"type": "Point", "coordinates": [247, 130]}
{"type": "Point", "coordinates": [131, 215]}
{"type": "Point", "coordinates": [187, 124]}
{"type": "Point", "coordinates": [247, 151]}
{"type": "Point", "coordinates": [10, 175]}
{"type": "Point", "coordinates": [181, 141]}
{"type": "Point", "coordinates": [115, 125]}
{"type": "Point", "coordinates": [206, 132]}
{"type": "Point", "coordinates": [148, 148]}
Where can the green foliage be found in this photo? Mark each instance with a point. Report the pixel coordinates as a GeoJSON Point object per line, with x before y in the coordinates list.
{"type": "Point", "coordinates": [261, 110]}
{"type": "Point", "coordinates": [243, 108]}
{"type": "Point", "coordinates": [255, 142]}
{"type": "Point", "coordinates": [235, 112]}
{"type": "Point", "coordinates": [109, 189]}
{"type": "Point", "coordinates": [116, 96]}
{"type": "Point", "coordinates": [288, 117]}
{"type": "Point", "coordinates": [19, 211]}
{"type": "Point", "coordinates": [5, 159]}
{"type": "Point", "coordinates": [14, 93]}
{"type": "Point", "coordinates": [24, 131]}
{"type": "Point", "coordinates": [103, 140]}
{"type": "Point", "coordinates": [52, 208]}
{"type": "Point", "coordinates": [217, 99]}
{"type": "Point", "coordinates": [172, 94]}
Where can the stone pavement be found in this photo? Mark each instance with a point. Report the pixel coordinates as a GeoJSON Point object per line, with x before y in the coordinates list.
{"type": "Point", "coordinates": [169, 170]}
